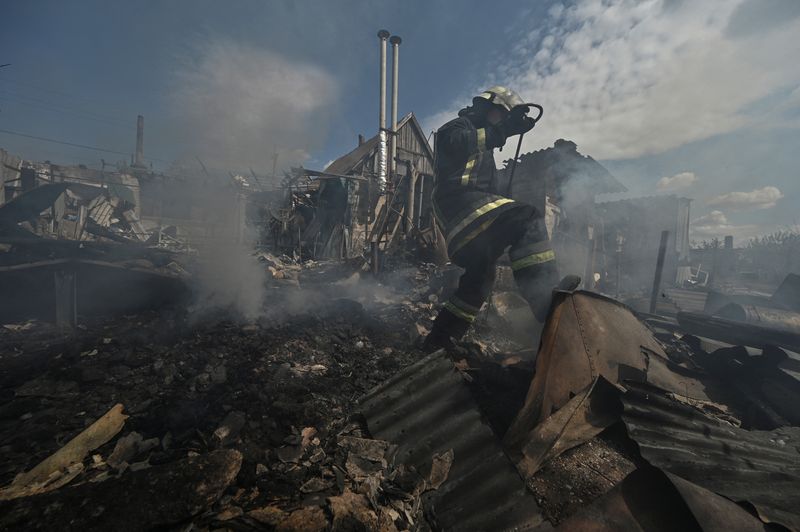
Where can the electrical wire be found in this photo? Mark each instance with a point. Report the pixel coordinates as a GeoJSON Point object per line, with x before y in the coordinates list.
{"type": "Point", "coordinates": [65, 143]}
{"type": "Point", "coordinates": [36, 103]}
{"type": "Point", "coordinates": [50, 90]}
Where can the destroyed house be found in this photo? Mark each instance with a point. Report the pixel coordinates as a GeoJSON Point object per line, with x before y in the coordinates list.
{"type": "Point", "coordinates": [68, 202]}
{"type": "Point", "coordinates": [564, 184]}
{"type": "Point", "coordinates": [632, 233]}
{"type": "Point", "coordinates": [339, 212]}
{"type": "Point", "coordinates": [72, 235]}
{"type": "Point", "coordinates": [560, 175]}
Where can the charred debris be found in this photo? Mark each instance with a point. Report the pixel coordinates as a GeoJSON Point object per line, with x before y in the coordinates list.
{"type": "Point", "coordinates": [664, 394]}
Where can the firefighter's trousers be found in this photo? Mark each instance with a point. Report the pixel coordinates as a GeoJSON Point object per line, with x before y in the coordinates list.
{"type": "Point", "coordinates": [477, 246]}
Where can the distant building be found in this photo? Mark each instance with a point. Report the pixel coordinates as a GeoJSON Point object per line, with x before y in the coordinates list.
{"type": "Point", "coordinates": [564, 184]}
{"type": "Point", "coordinates": [632, 233]}
{"type": "Point", "coordinates": [339, 212]}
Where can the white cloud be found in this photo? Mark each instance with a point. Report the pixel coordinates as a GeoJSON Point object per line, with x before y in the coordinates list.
{"type": "Point", "coordinates": [626, 78]}
{"type": "Point", "coordinates": [716, 225]}
{"type": "Point", "coordinates": [238, 105]}
{"type": "Point", "coordinates": [762, 198]}
{"type": "Point", "coordinates": [712, 219]}
{"type": "Point", "coordinates": [682, 180]}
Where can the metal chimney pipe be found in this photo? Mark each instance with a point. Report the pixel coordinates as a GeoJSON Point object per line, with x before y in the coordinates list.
{"type": "Point", "coordinates": [139, 159]}
{"type": "Point", "coordinates": [383, 148]}
{"type": "Point", "coordinates": [395, 40]}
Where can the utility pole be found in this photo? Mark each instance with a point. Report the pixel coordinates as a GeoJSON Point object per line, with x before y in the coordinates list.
{"type": "Point", "coordinates": [139, 160]}
{"type": "Point", "coordinates": [662, 251]}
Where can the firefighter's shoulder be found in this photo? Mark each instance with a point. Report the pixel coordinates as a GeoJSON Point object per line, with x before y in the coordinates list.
{"type": "Point", "coordinates": [454, 125]}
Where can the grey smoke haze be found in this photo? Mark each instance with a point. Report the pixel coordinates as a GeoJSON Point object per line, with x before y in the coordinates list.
{"type": "Point", "coordinates": [227, 277]}
{"type": "Point", "coordinates": [236, 105]}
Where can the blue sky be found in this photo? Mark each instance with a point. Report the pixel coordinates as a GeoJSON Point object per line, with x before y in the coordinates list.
{"type": "Point", "coordinates": [700, 99]}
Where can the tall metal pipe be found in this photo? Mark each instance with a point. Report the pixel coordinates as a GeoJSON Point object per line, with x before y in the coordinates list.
{"type": "Point", "coordinates": [139, 159]}
{"type": "Point", "coordinates": [395, 40]}
{"type": "Point", "coordinates": [383, 148]}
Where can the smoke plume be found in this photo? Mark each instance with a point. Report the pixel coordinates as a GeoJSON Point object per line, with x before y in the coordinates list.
{"type": "Point", "coordinates": [238, 105]}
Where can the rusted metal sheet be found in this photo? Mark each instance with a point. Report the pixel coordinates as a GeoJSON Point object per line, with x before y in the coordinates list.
{"type": "Point", "coordinates": [767, 380]}
{"type": "Point", "coordinates": [759, 467]}
{"type": "Point", "coordinates": [716, 300]}
{"type": "Point", "coordinates": [691, 300]}
{"type": "Point", "coordinates": [588, 336]}
{"type": "Point", "coordinates": [651, 500]}
{"type": "Point", "coordinates": [583, 417]}
{"type": "Point", "coordinates": [738, 332]}
{"type": "Point", "coordinates": [427, 409]}
{"type": "Point", "coordinates": [774, 318]}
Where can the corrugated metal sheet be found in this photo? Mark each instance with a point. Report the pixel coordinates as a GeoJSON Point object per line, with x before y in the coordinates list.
{"type": "Point", "coordinates": [689, 300]}
{"type": "Point", "coordinates": [760, 467]}
{"type": "Point", "coordinates": [428, 409]}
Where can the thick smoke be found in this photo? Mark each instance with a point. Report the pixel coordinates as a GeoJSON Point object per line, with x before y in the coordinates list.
{"type": "Point", "coordinates": [238, 105]}
{"type": "Point", "coordinates": [228, 277]}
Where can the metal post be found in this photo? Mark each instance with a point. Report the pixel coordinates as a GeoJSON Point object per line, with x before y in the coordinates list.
{"type": "Point", "coordinates": [65, 286]}
{"type": "Point", "coordinates": [375, 251]}
{"type": "Point", "coordinates": [408, 219]}
{"type": "Point", "coordinates": [620, 242]}
{"type": "Point", "coordinates": [662, 251]}
{"type": "Point", "coordinates": [588, 270]}
{"type": "Point", "coordinates": [420, 199]}
{"type": "Point", "coordinates": [588, 282]}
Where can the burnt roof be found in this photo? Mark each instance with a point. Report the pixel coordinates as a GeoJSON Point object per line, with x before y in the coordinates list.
{"type": "Point", "coordinates": [346, 163]}
{"type": "Point", "coordinates": [563, 162]}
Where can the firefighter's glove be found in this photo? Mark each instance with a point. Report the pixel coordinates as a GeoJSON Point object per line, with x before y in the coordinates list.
{"type": "Point", "coordinates": [516, 124]}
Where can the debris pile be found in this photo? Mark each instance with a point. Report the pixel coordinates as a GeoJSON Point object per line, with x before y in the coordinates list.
{"type": "Point", "coordinates": [321, 415]}
{"type": "Point", "coordinates": [74, 211]}
{"type": "Point", "coordinates": [266, 405]}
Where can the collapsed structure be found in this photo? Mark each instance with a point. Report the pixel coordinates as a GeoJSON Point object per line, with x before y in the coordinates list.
{"type": "Point", "coordinates": [673, 405]}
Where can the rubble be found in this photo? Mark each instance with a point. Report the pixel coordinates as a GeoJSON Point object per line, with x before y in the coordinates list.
{"type": "Point", "coordinates": [282, 401]}
{"type": "Point", "coordinates": [65, 464]}
{"type": "Point", "coordinates": [761, 468]}
{"type": "Point", "coordinates": [140, 500]}
{"type": "Point", "coordinates": [321, 414]}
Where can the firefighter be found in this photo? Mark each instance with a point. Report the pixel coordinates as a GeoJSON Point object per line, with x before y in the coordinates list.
{"type": "Point", "coordinates": [478, 223]}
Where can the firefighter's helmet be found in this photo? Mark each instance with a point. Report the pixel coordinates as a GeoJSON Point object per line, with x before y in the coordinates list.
{"type": "Point", "coordinates": [501, 96]}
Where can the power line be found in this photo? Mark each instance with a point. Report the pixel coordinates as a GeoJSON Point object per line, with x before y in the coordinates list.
{"type": "Point", "coordinates": [50, 90]}
{"type": "Point", "coordinates": [65, 143]}
{"type": "Point", "coordinates": [40, 104]}
{"type": "Point", "coordinates": [70, 105]}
